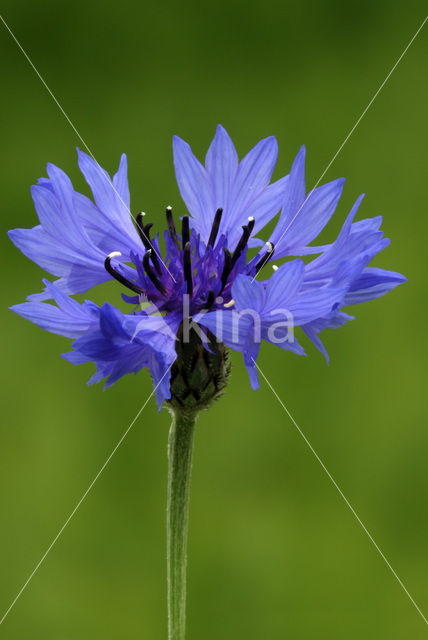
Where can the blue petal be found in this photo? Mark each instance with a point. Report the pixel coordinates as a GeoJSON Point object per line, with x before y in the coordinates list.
{"type": "Point", "coordinates": [79, 280]}
{"type": "Point", "coordinates": [284, 284]}
{"type": "Point", "coordinates": [347, 245]}
{"type": "Point", "coordinates": [75, 236]}
{"type": "Point", "coordinates": [228, 326]}
{"type": "Point", "coordinates": [241, 190]}
{"type": "Point", "coordinates": [313, 337]}
{"type": "Point", "coordinates": [250, 357]}
{"type": "Point", "coordinates": [117, 349]}
{"type": "Point", "coordinates": [52, 319]}
{"type": "Point", "coordinates": [314, 304]}
{"type": "Point", "coordinates": [221, 163]}
{"type": "Point", "coordinates": [67, 304]}
{"type": "Point", "coordinates": [279, 334]}
{"type": "Point", "coordinates": [195, 186]}
{"type": "Point", "coordinates": [43, 250]}
{"type": "Point", "coordinates": [120, 181]}
{"type": "Point", "coordinates": [333, 320]}
{"type": "Point", "coordinates": [70, 319]}
{"type": "Point", "coordinates": [267, 204]}
{"type": "Point", "coordinates": [107, 198]}
{"type": "Point", "coordinates": [104, 230]}
{"type": "Point", "coordinates": [55, 209]}
{"type": "Point", "coordinates": [252, 177]}
{"type": "Point", "coordinates": [345, 231]}
{"type": "Point", "coordinates": [296, 191]}
{"type": "Point", "coordinates": [61, 209]}
{"type": "Point", "coordinates": [248, 293]}
{"type": "Point", "coordinates": [311, 217]}
{"type": "Point", "coordinates": [293, 200]}
{"type": "Point", "coordinates": [237, 331]}
{"type": "Point", "coordinates": [303, 217]}
{"type": "Point", "coordinates": [372, 283]}
{"type": "Point", "coordinates": [367, 225]}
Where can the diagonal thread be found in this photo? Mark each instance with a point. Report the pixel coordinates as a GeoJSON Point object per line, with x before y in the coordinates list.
{"type": "Point", "coordinates": [342, 495]}
{"type": "Point", "coordinates": [42, 80]}
{"type": "Point", "coordinates": [60, 532]}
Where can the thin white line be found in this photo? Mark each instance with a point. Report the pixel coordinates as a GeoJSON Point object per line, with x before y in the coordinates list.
{"type": "Point", "coordinates": [351, 132]}
{"type": "Point", "coordinates": [75, 131]}
{"type": "Point", "coordinates": [382, 555]}
{"type": "Point", "coordinates": [46, 87]}
{"type": "Point", "coordinates": [36, 568]}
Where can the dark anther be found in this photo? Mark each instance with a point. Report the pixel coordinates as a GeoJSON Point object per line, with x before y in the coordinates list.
{"type": "Point", "coordinates": [118, 276]}
{"type": "Point", "coordinates": [227, 268]}
{"type": "Point", "coordinates": [268, 255]}
{"type": "Point", "coordinates": [246, 232]}
{"type": "Point", "coordinates": [210, 299]}
{"type": "Point", "coordinates": [144, 233]}
{"type": "Point", "coordinates": [143, 230]}
{"type": "Point", "coordinates": [170, 222]}
{"type": "Point", "coordinates": [148, 269]}
{"type": "Point", "coordinates": [185, 231]}
{"type": "Point", "coordinates": [215, 227]}
{"type": "Point", "coordinates": [171, 227]}
{"type": "Point", "coordinates": [187, 265]}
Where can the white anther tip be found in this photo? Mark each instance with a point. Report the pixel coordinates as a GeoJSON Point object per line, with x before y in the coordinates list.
{"type": "Point", "coordinates": [169, 208]}
{"type": "Point", "coordinates": [275, 267]}
{"type": "Point", "coordinates": [114, 254]}
{"type": "Point", "coordinates": [269, 246]}
{"type": "Point", "coordinates": [230, 303]}
{"type": "Point", "coordinates": [251, 219]}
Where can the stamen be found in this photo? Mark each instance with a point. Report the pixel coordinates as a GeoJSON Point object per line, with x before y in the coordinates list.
{"type": "Point", "coordinates": [171, 226]}
{"type": "Point", "coordinates": [229, 304]}
{"type": "Point", "coordinates": [227, 268]}
{"type": "Point", "coordinates": [187, 266]}
{"type": "Point", "coordinates": [170, 221]}
{"type": "Point", "coordinates": [143, 230]}
{"type": "Point", "coordinates": [185, 232]}
{"type": "Point", "coordinates": [140, 225]}
{"type": "Point", "coordinates": [215, 227]}
{"type": "Point", "coordinates": [268, 255]}
{"type": "Point", "coordinates": [153, 277]}
{"type": "Point", "coordinates": [144, 233]}
{"type": "Point", "coordinates": [118, 276]}
{"type": "Point", "coordinates": [210, 299]}
{"type": "Point", "coordinates": [247, 229]}
{"type": "Point", "coordinates": [275, 267]}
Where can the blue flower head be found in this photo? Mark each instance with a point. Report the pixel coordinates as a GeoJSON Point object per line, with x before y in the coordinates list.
{"type": "Point", "coordinates": [200, 276]}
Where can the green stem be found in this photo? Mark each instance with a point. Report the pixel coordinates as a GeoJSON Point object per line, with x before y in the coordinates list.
{"type": "Point", "coordinates": [180, 449]}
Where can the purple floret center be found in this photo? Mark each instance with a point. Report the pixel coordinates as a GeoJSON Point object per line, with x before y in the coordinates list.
{"type": "Point", "coordinates": [205, 273]}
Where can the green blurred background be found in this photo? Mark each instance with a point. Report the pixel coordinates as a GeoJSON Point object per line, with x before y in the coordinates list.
{"type": "Point", "coordinates": [274, 551]}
